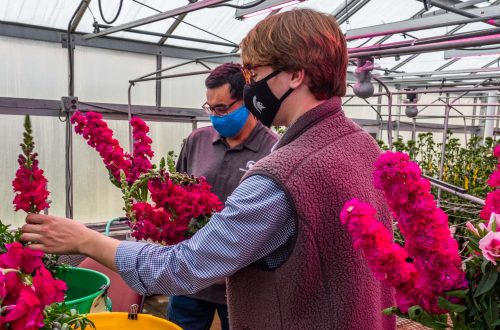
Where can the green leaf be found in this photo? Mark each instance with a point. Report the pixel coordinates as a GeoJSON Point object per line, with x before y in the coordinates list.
{"type": "Point", "coordinates": [449, 306]}
{"type": "Point", "coordinates": [458, 293]}
{"type": "Point", "coordinates": [390, 310]}
{"type": "Point", "coordinates": [487, 282]}
{"type": "Point", "coordinates": [483, 266]}
{"type": "Point", "coordinates": [491, 312]}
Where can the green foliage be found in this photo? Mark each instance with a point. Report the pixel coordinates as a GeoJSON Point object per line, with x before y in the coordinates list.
{"type": "Point", "coordinates": [171, 156]}
{"type": "Point", "coordinates": [468, 167]}
{"type": "Point", "coordinates": [280, 129]}
{"type": "Point", "coordinates": [138, 192]}
{"type": "Point", "coordinates": [60, 317]}
{"type": "Point", "coordinates": [28, 145]}
{"type": "Point", "coordinates": [8, 236]}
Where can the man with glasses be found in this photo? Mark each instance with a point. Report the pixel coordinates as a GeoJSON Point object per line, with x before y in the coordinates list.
{"type": "Point", "coordinates": [289, 262]}
{"type": "Point", "coordinates": [222, 153]}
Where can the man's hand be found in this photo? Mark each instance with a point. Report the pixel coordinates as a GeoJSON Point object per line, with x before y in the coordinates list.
{"type": "Point", "coordinates": [55, 234]}
{"type": "Point", "coordinates": [59, 235]}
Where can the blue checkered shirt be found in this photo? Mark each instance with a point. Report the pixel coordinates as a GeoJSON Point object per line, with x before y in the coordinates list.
{"type": "Point", "coordinates": [257, 220]}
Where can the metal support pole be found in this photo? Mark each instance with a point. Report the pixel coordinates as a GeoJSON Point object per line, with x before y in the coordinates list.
{"type": "Point", "coordinates": [474, 109]}
{"type": "Point", "coordinates": [443, 149]}
{"type": "Point", "coordinates": [73, 23]}
{"type": "Point", "coordinates": [158, 82]}
{"type": "Point", "coordinates": [389, 109]}
{"type": "Point", "coordinates": [458, 11]}
{"type": "Point", "coordinates": [178, 75]}
{"type": "Point", "coordinates": [129, 112]}
{"type": "Point", "coordinates": [379, 112]}
{"type": "Point", "coordinates": [414, 129]}
{"type": "Point", "coordinates": [398, 118]}
{"type": "Point", "coordinates": [490, 111]}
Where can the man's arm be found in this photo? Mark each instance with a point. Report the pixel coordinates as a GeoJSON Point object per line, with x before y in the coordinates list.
{"type": "Point", "coordinates": [256, 221]}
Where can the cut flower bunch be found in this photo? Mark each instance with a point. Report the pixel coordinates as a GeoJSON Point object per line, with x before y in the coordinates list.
{"type": "Point", "coordinates": [434, 284]}
{"type": "Point", "coordinates": [181, 204]}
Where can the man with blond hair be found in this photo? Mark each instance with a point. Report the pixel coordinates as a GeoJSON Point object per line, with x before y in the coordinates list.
{"type": "Point", "coordinates": [290, 263]}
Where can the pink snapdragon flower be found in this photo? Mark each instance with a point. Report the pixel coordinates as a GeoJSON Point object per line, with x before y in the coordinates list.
{"type": "Point", "coordinates": [30, 183]}
{"type": "Point", "coordinates": [436, 263]}
{"type": "Point", "coordinates": [490, 246]}
{"type": "Point", "coordinates": [26, 288]}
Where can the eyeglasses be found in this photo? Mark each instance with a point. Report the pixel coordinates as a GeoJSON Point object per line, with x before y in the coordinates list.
{"type": "Point", "coordinates": [248, 74]}
{"type": "Point", "coordinates": [219, 109]}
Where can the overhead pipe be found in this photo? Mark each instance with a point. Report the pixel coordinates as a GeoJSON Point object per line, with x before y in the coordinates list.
{"type": "Point", "coordinates": [171, 36]}
{"type": "Point", "coordinates": [448, 72]}
{"type": "Point", "coordinates": [486, 38]}
{"type": "Point", "coordinates": [440, 90]}
{"type": "Point", "coordinates": [423, 23]}
{"type": "Point", "coordinates": [458, 11]}
{"type": "Point", "coordinates": [155, 18]}
{"type": "Point", "coordinates": [428, 40]}
{"type": "Point", "coordinates": [494, 104]}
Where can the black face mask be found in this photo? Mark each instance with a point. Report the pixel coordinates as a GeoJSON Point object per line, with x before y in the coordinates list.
{"type": "Point", "coordinates": [261, 102]}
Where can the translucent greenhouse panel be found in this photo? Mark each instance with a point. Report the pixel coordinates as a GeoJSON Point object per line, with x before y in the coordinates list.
{"type": "Point", "coordinates": [167, 136]}
{"type": "Point", "coordinates": [378, 12]}
{"type": "Point", "coordinates": [32, 69]}
{"type": "Point", "coordinates": [96, 199]}
{"type": "Point", "coordinates": [476, 62]}
{"type": "Point", "coordinates": [184, 92]}
{"type": "Point", "coordinates": [103, 76]}
{"type": "Point", "coordinates": [51, 13]}
{"type": "Point", "coordinates": [57, 13]}
{"type": "Point", "coordinates": [425, 62]}
{"type": "Point", "coordinates": [219, 21]}
{"type": "Point", "coordinates": [49, 135]}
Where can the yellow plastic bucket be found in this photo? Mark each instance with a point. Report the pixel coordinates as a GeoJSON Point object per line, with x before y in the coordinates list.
{"type": "Point", "coordinates": [120, 321]}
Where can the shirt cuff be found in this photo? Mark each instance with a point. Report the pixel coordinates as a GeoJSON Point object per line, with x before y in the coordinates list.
{"type": "Point", "coordinates": [126, 261]}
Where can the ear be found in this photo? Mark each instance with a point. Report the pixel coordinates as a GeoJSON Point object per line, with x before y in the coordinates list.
{"type": "Point", "coordinates": [298, 78]}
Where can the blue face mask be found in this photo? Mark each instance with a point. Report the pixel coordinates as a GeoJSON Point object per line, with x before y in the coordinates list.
{"type": "Point", "coordinates": [230, 124]}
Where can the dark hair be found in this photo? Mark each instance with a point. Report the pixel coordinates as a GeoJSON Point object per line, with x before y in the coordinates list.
{"type": "Point", "coordinates": [227, 73]}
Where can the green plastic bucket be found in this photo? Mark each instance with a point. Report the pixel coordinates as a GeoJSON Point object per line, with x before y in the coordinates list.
{"type": "Point", "coordinates": [87, 289]}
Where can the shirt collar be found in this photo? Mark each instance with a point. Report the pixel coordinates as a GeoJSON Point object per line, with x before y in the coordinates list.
{"type": "Point", "coordinates": [253, 141]}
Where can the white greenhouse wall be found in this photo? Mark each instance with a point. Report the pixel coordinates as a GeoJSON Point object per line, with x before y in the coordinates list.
{"type": "Point", "coordinates": [32, 69]}
{"type": "Point", "coordinates": [38, 70]}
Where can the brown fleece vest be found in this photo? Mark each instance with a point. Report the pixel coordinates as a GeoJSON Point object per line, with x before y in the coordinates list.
{"type": "Point", "coordinates": [321, 162]}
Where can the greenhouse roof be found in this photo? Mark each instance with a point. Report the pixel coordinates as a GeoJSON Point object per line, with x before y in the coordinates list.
{"type": "Point", "coordinates": [216, 30]}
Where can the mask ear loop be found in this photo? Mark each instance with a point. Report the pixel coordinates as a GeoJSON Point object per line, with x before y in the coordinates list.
{"type": "Point", "coordinates": [288, 92]}
{"type": "Point", "coordinates": [265, 79]}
